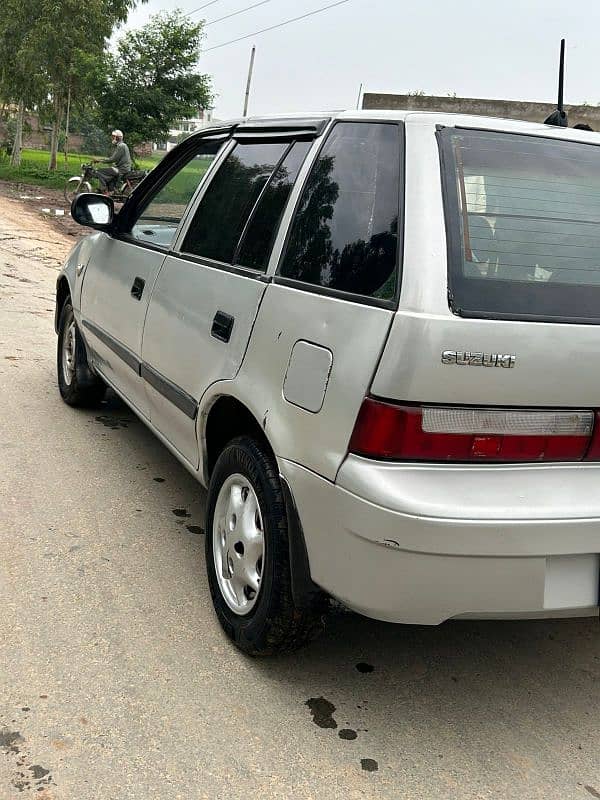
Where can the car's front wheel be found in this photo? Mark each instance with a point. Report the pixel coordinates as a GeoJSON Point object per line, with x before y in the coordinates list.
{"type": "Point", "coordinates": [78, 385]}
{"type": "Point", "coordinates": [247, 554]}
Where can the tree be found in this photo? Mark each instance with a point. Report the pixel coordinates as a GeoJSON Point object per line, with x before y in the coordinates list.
{"type": "Point", "coordinates": [71, 36]}
{"type": "Point", "coordinates": [84, 121]}
{"type": "Point", "coordinates": [151, 80]}
{"type": "Point", "coordinates": [21, 74]}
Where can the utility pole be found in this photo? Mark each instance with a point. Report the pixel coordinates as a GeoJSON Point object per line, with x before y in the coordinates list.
{"type": "Point", "coordinates": [358, 98]}
{"type": "Point", "coordinates": [250, 68]}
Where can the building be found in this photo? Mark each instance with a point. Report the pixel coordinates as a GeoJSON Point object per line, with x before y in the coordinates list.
{"type": "Point", "coordinates": [507, 109]}
{"type": "Point", "coordinates": [202, 120]}
{"type": "Point", "coordinates": [182, 127]}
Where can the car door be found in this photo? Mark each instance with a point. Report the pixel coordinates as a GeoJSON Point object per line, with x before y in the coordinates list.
{"type": "Point", "coordinates": [208, 292]}
{"type": "Point", "coordinates": [119, 276]}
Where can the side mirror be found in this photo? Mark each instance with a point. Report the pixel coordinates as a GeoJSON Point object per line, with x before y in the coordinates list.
{"type": "Point", "coordinates": [93, 210]}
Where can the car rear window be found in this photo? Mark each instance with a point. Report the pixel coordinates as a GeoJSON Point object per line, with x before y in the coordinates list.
{"type": "Point", "coordinates": [523, 226]}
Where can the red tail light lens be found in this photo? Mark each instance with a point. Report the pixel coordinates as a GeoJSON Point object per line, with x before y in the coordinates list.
{"type": "Point", "coordinates": [422, 433]}
{"type": "Point", "coordinates": [593, 454]}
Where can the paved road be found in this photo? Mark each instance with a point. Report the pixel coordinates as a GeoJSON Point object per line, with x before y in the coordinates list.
{"type": "Point", "coordinates": [117, 684]}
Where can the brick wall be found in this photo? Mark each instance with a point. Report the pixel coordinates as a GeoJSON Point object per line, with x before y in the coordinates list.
{"type": "Point", "coordinates": [38, 138]}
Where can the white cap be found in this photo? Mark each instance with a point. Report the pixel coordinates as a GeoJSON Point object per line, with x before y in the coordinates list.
{"type": "Point", "coordinates": [118, 134]}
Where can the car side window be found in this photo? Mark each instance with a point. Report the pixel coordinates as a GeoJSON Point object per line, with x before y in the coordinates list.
{"type": "Point", "coordinates": [160, 218]}
{"type": "Point", "coordinates": [345, 232]}
{"type": "Point", "coordinates": [221, 217]}
{"type": "Point", "coordinates": [257, 240]}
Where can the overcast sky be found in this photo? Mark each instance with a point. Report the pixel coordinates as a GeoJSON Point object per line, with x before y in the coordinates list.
{"type": "Point", "coordinates": [506, 49]}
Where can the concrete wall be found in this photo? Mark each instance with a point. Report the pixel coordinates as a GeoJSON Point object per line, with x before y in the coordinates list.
{"type": "Point", "coordinates": [509, 109]}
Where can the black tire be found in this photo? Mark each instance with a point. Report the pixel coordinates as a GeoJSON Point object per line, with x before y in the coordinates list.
{"type": "Point", "coordinates": [275, 624]}
{"type": "Point", "coordinates": [84, 388]}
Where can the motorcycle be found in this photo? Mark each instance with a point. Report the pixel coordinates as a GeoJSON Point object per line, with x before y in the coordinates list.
{"type": "Point", "coordinates": [119, 190]}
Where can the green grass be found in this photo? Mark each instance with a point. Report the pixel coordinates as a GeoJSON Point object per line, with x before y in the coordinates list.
{"type": "Point", "coordinates": [183, 185]}
{"type": "Point", "coordinates": [34, 168]}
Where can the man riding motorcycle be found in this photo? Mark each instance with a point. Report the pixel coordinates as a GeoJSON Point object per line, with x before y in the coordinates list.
{"type": "Point", "coordinates": [120, 159]}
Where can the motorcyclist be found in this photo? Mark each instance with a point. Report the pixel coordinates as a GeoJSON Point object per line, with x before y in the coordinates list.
{"type": "Point", "coordinates": [120, 161]}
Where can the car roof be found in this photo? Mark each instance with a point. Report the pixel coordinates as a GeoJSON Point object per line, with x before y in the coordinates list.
{"type": "Point", "coordinates": [423, 118]}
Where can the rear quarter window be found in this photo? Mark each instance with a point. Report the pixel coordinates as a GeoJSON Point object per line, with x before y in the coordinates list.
{"type": "Point", "coordinates": [344, 237]}
{"type": "Point", "coordinates": [523, 225]}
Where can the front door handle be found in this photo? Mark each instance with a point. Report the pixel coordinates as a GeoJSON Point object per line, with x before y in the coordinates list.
{"type": "Point", "coordinates": [137, 289]}
{"type": "Point", "coordinates": [222, 326]}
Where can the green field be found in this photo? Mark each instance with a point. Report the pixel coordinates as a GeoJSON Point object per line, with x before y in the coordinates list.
{"type": "Point", "coordinates": [34, 168]}
{"type": "Point", "coordinates": [181, 188]}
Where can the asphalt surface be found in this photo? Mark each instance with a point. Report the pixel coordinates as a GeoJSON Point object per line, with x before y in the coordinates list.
{"type": "Point", "coordinates": [116, 682]}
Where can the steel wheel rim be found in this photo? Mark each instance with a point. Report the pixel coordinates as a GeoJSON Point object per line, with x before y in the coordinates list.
{"type": "Point", "coordinates": [74, 187]}
{"type": "Point", "coordinates": [238, 544]}
{"type": "Point", "coordinates": [68, 353]}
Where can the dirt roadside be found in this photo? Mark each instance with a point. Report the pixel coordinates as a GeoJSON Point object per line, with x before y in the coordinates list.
{"type": "Point", "coordinates": [46, 206]}
{"type": "Point", "coordinates": [33, 248]}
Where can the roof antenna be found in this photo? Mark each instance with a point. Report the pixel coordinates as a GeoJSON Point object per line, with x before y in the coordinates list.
{"type": "Point", "coordinates": [559, 117]}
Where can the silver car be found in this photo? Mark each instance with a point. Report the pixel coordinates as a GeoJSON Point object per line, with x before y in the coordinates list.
{"type": "Point", "coordinates": [373, 337]}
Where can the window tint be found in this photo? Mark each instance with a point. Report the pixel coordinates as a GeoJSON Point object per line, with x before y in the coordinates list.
{"type": "Point", "coordinates": [257, 241]}
{"type": "Point", "coordinates": [220, 219]}
{"type": "Point", "coordinates": [160, 219]}
{"type": "Point", "coordinates": [345, 232]}
{"type": "Point", "coordinates": [525, 226]}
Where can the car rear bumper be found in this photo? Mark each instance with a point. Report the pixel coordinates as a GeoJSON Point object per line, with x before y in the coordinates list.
{"type": "Point", "coordinates": [419, 544]}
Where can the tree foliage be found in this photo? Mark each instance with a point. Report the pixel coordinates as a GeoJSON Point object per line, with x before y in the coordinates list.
{"type": "Point", "coordinates": [152, 79]}
{"type": "Point", "coordinates": [54, 54]}
{"type": "Point", "coordinates": [20, 62]}
{"type": "Point", "coordinates": [49, 50]}
{"type": "Point", "coordinates": [71, 51]}
{"type": "Point", "coordinates": [21, 78]}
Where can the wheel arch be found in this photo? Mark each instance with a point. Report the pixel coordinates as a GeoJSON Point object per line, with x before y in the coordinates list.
{"type": "Point", "coordinates": [63, 291]}
{"type": "Point", "coordinates": [225, 419]}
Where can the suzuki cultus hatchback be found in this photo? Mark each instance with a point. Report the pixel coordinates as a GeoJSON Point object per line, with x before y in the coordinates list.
{"type": "Point", "coordinates": [373, 336]}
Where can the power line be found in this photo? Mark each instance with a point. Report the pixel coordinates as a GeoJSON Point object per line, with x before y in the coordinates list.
{"type": "Point", "coordinates": [235, 13]}
{"type": "Point", "coordinates": [206, 5]}
{"type": "Point", "coordinates": [279, 25]}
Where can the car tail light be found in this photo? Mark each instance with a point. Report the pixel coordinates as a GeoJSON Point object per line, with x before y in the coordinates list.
{"type": "Point", "coordinates": [593, 454]}
{"type": "Point", "coordinates": [437, 433]}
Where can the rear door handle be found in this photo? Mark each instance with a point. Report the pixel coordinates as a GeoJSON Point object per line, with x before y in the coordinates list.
{"type": "Point", "coordinates": [222, 326]}
{"type": "Point", "coordinates": [138, 288]}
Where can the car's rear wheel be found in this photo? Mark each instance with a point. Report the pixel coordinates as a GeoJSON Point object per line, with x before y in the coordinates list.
{"type": "Point", "coordinates": [247, 554]}
{"type": "Point", "coordinates": [77, 383]}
